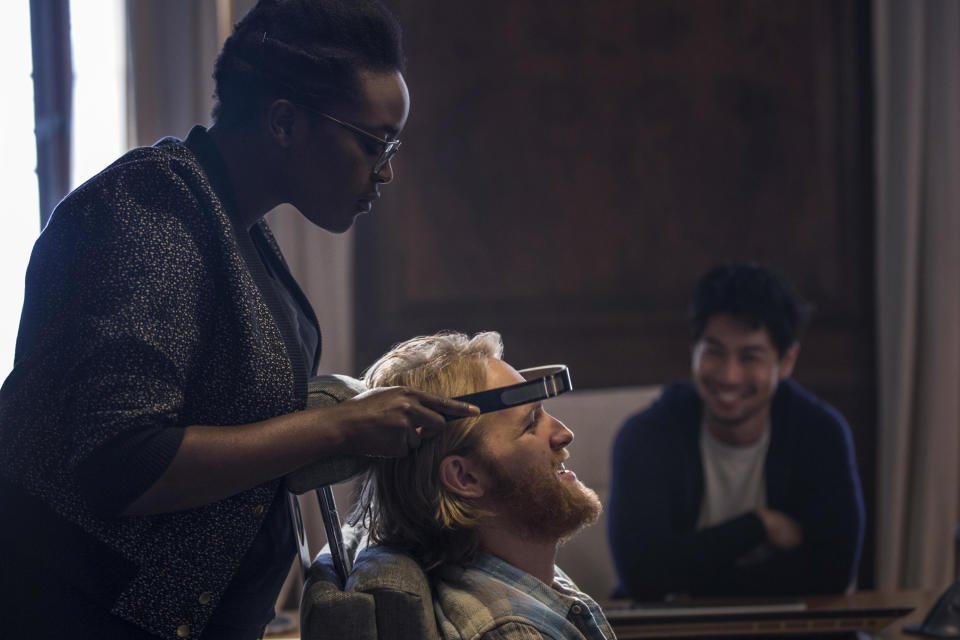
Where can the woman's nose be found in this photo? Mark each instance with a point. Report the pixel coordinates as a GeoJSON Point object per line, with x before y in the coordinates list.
{"type": "Point", "coordinates": [385, 173]}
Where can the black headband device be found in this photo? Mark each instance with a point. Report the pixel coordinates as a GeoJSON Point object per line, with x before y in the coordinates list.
{"type": "Point", "coordinates": [540, 383]}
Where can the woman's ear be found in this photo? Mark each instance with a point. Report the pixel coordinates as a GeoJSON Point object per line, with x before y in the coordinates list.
{"type": "Point", "coordinates": [462, 476]}
{"type": "Point", "coordinates": [281, 116]}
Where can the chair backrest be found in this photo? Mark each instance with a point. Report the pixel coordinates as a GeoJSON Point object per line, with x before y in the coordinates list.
{"type": "Point", "coordinates": [386, 597]}
{"type": "Point", "coordinates": [325, 391]}
{"type": "Point", "coordinates": [351, 590]}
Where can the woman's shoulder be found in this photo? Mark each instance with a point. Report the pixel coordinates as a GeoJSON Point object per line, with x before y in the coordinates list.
{"type": "Point", "coordinates": [146, 187]}
{"type": "Point", "coordinates": [147, 170]}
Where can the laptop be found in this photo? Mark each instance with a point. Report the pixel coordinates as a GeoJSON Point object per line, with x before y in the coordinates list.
{"type": "Point", "coordinates": [701, 619]}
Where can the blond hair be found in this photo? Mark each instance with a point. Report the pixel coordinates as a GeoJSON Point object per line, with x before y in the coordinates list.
{"type": "Point", "coordinates": [402, 502]}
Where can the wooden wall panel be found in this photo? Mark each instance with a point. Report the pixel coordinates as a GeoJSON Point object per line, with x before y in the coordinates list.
{"type": "Point", "coordinates": [571, 168]}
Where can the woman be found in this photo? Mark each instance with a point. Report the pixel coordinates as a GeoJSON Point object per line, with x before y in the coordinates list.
{"type": "Point", "coordinates": [160, 377]}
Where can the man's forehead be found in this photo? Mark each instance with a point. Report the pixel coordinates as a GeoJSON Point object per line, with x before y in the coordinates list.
{"type": "Point", "coordinates": [501, 374]}
{"type": "Point", "coordinates": [734, 332]}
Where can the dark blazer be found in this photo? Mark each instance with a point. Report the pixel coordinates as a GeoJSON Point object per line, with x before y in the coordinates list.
{"type": "Point", "coordinates": [145, 313]}
{"type": "Point", "coordinates": [657, 488]}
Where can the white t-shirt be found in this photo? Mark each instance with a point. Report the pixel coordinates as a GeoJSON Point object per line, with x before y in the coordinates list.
{"type": "Point", "coordinates": [734, 481]}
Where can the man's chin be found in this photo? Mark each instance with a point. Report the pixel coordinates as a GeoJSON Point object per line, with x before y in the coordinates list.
{"type": "Point", "coordinates": [590, 506]}
{"type": "Point", "coordinates": [585, 511]}
{"type": "Point", "coordinates": [729, 419]}
{"type": "Point", "coordinates": [582, 509]}
{"type": "Point", "coordinates": [549, 509]}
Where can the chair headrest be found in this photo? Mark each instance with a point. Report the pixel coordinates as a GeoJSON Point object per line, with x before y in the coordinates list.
{"type": "Point", "coordinates": [326, 391]}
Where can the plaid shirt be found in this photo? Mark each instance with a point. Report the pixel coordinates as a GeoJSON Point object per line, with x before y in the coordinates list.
{"type": "Point", "coordinates": [493, 600]}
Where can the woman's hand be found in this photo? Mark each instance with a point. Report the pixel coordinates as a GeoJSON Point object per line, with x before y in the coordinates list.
{"type": "Point", "coordinates": [390, 421]}
{"type": "Point", "coordinates": [214, 462]}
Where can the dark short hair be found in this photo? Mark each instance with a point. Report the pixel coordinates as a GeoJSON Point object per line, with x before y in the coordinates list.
{"type": "Point", "coordinates": [308, 51]}
{"type": "Point", "coordinates": [754, 295]}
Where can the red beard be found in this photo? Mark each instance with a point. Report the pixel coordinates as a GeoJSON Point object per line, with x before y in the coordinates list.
{"type": "Point", "coordinates": [539, 504]}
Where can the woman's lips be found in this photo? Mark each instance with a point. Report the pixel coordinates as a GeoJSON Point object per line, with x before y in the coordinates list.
{"type": "Point", "coordinates": [365, 203]}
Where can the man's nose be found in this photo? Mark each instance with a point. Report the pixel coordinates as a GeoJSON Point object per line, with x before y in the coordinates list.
{"type": "Point", "coordinates": [560, 436]}
{"type": "Point", "coordinates": [730, 371]}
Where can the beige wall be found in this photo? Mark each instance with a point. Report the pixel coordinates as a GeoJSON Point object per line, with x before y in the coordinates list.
{"type": "Point", "coordinates": [594, 417]}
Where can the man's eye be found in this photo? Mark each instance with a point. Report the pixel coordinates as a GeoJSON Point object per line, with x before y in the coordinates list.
{"type": "Point", "coordinates": [532, 421]}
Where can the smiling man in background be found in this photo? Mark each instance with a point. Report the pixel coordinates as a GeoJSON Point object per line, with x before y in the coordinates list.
{"type": "Point", "coordinates": [741, 483]}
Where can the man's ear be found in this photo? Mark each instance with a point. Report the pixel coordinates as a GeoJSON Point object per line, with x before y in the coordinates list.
{"type": "Point", "coordinates": [788, 360]}
{"type": "Point", "coordinates": [281, 116]}
{"type": "Point", "coordinates": [462, 476]}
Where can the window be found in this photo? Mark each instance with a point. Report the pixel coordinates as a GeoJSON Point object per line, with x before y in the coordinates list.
{"type": "Point", "coordinates": [99, 87]}
{"type": "Point", "coordinates": [21, 200]}
{"type": "Point", "coordinates": [99, 133]}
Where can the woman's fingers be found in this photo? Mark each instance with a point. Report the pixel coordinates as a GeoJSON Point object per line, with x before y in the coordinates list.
{"type": "Point", "coordinates": [413, 440]}
{"type": "Point", "coordinates": [436, 410]}
{"type": "Point", "coordinates": [392, 421]}
{"type": "Point", "coordinates": [450, 407]}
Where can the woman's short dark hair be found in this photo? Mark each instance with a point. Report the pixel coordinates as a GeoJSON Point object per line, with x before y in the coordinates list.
{"type": "Point", "coordinates": [754, 295]}
{"type": "Point", "coordinates": [309, 51]}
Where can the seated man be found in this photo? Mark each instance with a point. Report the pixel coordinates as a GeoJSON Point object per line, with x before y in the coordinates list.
{"type": "Point", "coordinates": [483, 506]}
{"type": "Point", "coordinates": [742, 483]}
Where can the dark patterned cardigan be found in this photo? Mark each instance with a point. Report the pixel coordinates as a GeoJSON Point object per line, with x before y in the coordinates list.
{"type": "Point", "coordinates": [143, 309]}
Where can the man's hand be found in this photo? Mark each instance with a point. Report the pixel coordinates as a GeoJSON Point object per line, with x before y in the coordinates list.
{"type": "Point", "coordinates": [783, 532]}
{"type": "Point", "coordinates": [390, 421]}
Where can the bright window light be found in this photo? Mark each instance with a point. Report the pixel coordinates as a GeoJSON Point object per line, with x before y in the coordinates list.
{"type": "Point", "coordinates": [99, 73]}
{"type": "Point", "coordinates": [18, 177]}
{"type": "Point", "coordinates": [99, 133]}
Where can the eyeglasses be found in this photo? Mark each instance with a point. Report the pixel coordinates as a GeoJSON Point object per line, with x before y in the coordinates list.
{"type": "Point", "coordinates": [390, 147]}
